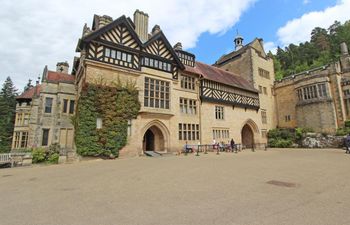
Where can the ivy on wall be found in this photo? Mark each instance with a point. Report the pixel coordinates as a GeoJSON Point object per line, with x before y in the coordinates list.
{"type": "Point", "coordinates": [115, 105]}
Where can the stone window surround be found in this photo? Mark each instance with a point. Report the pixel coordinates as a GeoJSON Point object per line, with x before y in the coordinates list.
{"type": "Point", "coordinates": [219, 112]}
{"type": "Point", "coordinates": [156, 93]}
{"type": "Point", "coordinates": [188, 131]}
{"type": "Point", "coordinates": [188, 106]}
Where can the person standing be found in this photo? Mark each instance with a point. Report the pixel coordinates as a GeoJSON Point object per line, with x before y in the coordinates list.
{"type": "Point", "coordinates": [347, 144]}
{"type": "Point", "coordinates": [233, 147]}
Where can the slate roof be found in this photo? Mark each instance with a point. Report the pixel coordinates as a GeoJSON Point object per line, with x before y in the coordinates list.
{"type": "Point", "coordinates": [221, 76]}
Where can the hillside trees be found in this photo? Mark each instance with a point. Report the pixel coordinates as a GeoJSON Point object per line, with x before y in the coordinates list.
{"type": "Point", "coordinates": [323, 48]}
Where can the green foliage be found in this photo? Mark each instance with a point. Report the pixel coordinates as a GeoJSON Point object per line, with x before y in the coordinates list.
{"type": "Point", "coordinates": [115, 105]}
{"type": "Point", "coordinates": [347, 123]}
{"type": "Point", "coordinates": [281, 138]}
{"type": "Point", "coordinates": [8, 95]}
{"type": "Point", "coordinates": [280, 143]}
{"type": "Point", "coordinates": [323, 48]}
{"type": "Point", "coordinates": [342, 131]}
{"type": "Point", "coordinates": [39, 155]}
{"type": "Point", "coordinates": [49, 155]}
{"type": "Point", "coordinates": [53, 158]}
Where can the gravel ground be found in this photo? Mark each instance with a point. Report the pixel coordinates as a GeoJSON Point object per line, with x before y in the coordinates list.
{"type": "Point", "coordinates": [289, 186]}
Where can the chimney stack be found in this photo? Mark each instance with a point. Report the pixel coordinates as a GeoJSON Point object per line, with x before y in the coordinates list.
{"type": "Point", "coordinates": [141, 25]}
{"type": "Point", "coordinates": [178, 46]}
{"type": "Point", "coordinates": [104, 20]}
{"type": "Point", "coordinates": [344, 57]}
{"type": "Point", "coordinates": [62, 67]}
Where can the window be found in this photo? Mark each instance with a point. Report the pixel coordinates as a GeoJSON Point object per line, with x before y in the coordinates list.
{"type": "Point", "coordinates": [322, 90]}
{"type": "Point", "coordinates": [156, 64]}
{"type": "Point", "coordinates": [45, 139]}
{"type": "Point", "coordinates": [157, 93]}
{"type": "Point", "coordinates": [188, 82]}
{"type": "Point", "coordinates": [129, 127]}
{"type": "Point", "coordinates": [26, 119]}
{"type": "Point", "coordinates": [287, 118]}
{"type": "Point", "coordinates": [264, 73]}
{"type": "Point", "coordinates": [65, 105]}
{"type": "Point", "coordinates": [48, 105]}
{"type": "Point", "coordinates": [68, 108]}
{"type": "Point", "coordinates": [16, 140]}
{"type": "Point", "coordinates": [71, 106]}
{"type": "Point", "coordinates": [221, 134]}
{"type": "Point", "coordinates": [118, 55]}
{"type": "Point", "coordinates": [264, 133]}
{"type": "Point", "coordinates": [265, 90]}
{"type": "Point", "coordinates": [263, 117]}
{"type": "Point", "coordinates": [22, 119]}
{"type": "Point", "coordinates": [188, 106]}
{"type": "Point", "coordinates": [24, 139]}
{"type": "Point", "coordinates": [219, 112]}
{"type": "Point", "coordinates": [19, 119]}
{"type": "Point", "coordinates": [260, 89]}
{"type": "Point", "coordinates": [316, 91]}
{"type": "Point", "coordinates": [99, 123]}
{"type": "Point", "coordinates": [188, 131]}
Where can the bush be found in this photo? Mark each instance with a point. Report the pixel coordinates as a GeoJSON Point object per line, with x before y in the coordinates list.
{"type": "Point", "coordinates": [53, 158]}
{"type": "Point", "coordinates": [347, 123]}
{"type": "Point", "coordinates": [280, 143]}
{"type": "Point", "coordinates": [39, 155]}
{"type": "Point", "coordinates": [49, 155]}
{"type": "Point", "coordinates": [342, 131]}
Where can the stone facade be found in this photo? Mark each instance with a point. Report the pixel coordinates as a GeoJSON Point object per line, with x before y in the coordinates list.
{"type": "Point", "coordinates": [316, 99]}
{"type": "Point", "coordinates": [206, 104]}
{"type": "Point", "coordinates": [251, 62]}
{"type": "Point", "coordinates": [43, 113]}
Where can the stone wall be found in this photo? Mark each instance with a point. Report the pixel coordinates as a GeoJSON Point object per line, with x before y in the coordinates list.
{"type": "Point", "coordinates": [316, 140]}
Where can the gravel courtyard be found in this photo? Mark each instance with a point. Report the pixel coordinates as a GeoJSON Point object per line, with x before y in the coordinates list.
{"type": "Point", "coordinates": [277, 186]}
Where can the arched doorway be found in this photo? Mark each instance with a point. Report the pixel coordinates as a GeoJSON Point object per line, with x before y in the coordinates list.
{"type": "Point", "coordinates": [153, 140]}
{"type": "Point", "coordinates": [247, 136]}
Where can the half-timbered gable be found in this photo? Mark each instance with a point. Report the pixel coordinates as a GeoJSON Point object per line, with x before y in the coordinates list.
{"type": "Point", "coordinates": [115, 43]}
{"type": "Point", "coordinates": [220, 86]}
{"type": "Point", "coordinates": [158, 54]}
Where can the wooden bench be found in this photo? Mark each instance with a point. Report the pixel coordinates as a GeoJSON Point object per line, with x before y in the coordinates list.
{"type": "Point", "coordinates": [6, 158]}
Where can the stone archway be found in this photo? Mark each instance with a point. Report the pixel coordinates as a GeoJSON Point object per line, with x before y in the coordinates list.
{"type": "Point", "coordinates": [249, 134]}
{"type": "Point", "coordinates": [247, 137]}
{"type": "Point", "coordinates": [156, 137]}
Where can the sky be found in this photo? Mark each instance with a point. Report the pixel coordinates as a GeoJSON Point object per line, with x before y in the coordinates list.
{"type": "Point", "coordinates": [35, 33]}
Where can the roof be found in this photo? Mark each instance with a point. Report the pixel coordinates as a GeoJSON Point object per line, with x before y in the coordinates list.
{"type": "Point", "coordinates": [225, 58]}
{"type": "Point", "coordinates": [29, 94]}
{"type": "Point", "coordinates": [221, 76]}
{"type": "Point", "coordinates": [59, 77]}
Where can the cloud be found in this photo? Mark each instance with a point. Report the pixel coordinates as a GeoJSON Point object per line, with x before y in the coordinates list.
{"type": "Point", "coordinates": [40, 32]}
{"type": "Point", "coordinates": [270, 46]}
{"type": "Point", "coordinates": [299, 29]}
{"type": "Point", "coordinates": [305, 2]}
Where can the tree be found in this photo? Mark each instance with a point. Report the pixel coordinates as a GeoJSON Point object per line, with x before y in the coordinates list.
{"type": "Point", "coordinates": [28, 85]}
{"type": "Point", "coordinates": [8, 95]}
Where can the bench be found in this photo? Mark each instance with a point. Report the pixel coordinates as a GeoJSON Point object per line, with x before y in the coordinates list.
{"type": "Point", "coordinates": [6, 158]}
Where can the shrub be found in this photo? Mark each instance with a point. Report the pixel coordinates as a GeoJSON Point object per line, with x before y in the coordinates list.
{"type": "Point", "coordinates": [53, 158]}
{"type": "Point", "coordinates": [347, 123]}
{"type": "Point", "coordinates": [342, 131]}
{"type": "Point", "coordinates": [280, 143]}
{"type": "Point", "coordinates": [39, 155]}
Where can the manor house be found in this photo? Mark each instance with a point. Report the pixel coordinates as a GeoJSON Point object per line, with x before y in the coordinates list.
{"type": "Point", "coordinates": [182, 100]}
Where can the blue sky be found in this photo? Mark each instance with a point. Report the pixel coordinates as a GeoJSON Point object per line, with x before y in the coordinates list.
{"type": "Point", "coordinates": [262, 20]}
{"type": "Point", "coordinates": [35, 33]}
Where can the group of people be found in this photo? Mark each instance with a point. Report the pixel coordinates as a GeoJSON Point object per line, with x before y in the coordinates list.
{"type": "Point", "coordinates": [219, 146]}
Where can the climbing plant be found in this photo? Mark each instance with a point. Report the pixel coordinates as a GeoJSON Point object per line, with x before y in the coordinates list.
{"type": "Point", "coordinates": [115, 105]}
